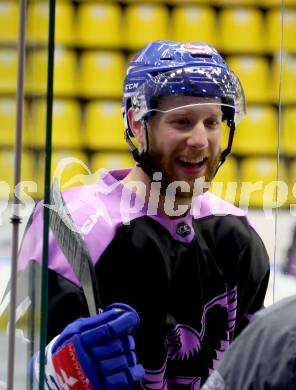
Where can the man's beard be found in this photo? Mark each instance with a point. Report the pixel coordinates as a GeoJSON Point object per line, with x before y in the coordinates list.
{"type": "Point", "coordinates": [197, 185]}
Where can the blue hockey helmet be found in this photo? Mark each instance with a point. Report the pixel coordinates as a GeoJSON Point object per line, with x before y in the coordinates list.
{"type": "Point", "coordinates": [172, 68]}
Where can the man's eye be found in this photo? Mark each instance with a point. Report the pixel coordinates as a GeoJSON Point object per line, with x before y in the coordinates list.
{"type": "Point", "coordinates": [212, 123]}
{"type": "Point", "coordinates": [181, 122]}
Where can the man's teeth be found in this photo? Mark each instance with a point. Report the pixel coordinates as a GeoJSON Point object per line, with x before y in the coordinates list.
{"type": "Point", "coordinates": [189, 161]}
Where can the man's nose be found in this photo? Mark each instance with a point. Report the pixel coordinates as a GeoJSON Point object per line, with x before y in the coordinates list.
{"type": "Point", "coordinates": [198, 137]}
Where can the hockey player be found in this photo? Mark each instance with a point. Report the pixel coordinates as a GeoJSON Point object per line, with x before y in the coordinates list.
{"type": "Point", "coordinates": [187, 268]}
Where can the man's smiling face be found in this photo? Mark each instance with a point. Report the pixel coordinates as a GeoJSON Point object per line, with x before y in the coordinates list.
{"type": "Point", "coordinates": [184, 141]}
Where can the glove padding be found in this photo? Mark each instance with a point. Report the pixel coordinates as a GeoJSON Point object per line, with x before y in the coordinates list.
{"type": "Point", "coordinates": [98, 352]}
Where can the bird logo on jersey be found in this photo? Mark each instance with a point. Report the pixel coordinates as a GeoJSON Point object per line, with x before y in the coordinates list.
{"type": "Point", "coordinates": [184, 341]}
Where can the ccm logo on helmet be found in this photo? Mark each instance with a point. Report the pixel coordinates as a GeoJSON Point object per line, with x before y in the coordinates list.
{"type": "Point", "coordinates": [205, 70]}
{"type": "Point", "coordinates": [131, 86]}
{"type": "Point", "coordinates": [195, 49]}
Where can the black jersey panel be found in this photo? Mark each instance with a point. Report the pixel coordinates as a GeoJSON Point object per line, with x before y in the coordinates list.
{"type": "Point", "coordinates": [242, 257]}
{"type": "Point", "coordinates": [178, 290]}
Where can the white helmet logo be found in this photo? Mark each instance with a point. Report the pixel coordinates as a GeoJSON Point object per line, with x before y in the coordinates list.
{"type": "Point", "coordinates": [196, 49]}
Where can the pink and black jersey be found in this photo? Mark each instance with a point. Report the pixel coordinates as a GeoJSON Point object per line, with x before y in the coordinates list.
{"type": "Point", "coordinates": [194, 280]}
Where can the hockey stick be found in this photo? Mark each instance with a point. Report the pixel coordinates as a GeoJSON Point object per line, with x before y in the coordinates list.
{"type": "Point", "coordinates": [74, 248]}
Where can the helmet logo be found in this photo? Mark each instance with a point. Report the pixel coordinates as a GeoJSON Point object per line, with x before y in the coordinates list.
{"type": "Point", "coordinates": [196, 49]}
{"type": "Point", "coordinates": [131, 86]}
{"type": "Point", "coordinates": [209, 70]}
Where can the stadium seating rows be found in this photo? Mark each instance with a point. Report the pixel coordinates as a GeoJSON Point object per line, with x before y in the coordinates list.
{"type": "Point", "coordinates": [241, 28]}
{"type": "Point", "coordinates": [99, 126]}
{"type": "Point", "coordinates": [100, 74]}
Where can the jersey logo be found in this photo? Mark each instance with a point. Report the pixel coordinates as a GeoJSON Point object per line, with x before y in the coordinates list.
{"type": "Point", "coordinates": [183, 229]}
{"type": "Point", "coordinates": [184, 341]}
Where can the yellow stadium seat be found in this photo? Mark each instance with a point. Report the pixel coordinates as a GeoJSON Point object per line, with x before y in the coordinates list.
{"type": "Point", "coordinates": [225, 183]}
{"type": "Point", "coordinates": [228, 171]}
{"type": "Point", "coordinates": [258, 185]}
{"type": "Point", "coordinates": [288, 132]}
{"type": "Point", "coordinates": [257, 132]}
{"type": "Point", "coordinates": [274, 26]}
{"type": "Point", "coordinates": [136, 1]}
{"type": "Point", "coordinates": [9, 20]}
{"type": "Point", "coordinates": [292, 183]}
{"type": "Point", "coordinates": [8, 123]}
{"type": "Point", "coordinates": [99, 25]}
{"type": "Point", "coordinates": [104, 128]}
{"type": "Point", "coordinates": [225, 136]}
{"type": "Point", "coordinates": [145, 23]}
{"type": "Point", "coordinates": [252, 70]}
{"type": "Point", "coordinates": [272, 3]}
{"type": "Point", "coordinates": [287, 79]}
{"type": "Point", "coordinates": [65, 124]}
{"type": "Point", "coordinates": [36, 72]}
{"type": "Point", "coordinates": [38, 22]}
{"type": "Point", "coordinates": [177, 2]}
{"type": "Point", "coordinates": [70, 167]}
{"type": "Point", "coordinates": [8, 71]}
{"type": "Point", "coordinates": [241, 30]}
{"type": "Point", "coordinates": [103, 160]}
{"type": "Point", "coordinates": [234, 2]}
{"type": "Point", "coordinates": [101, 74]}
{"type": "Point", "coordinates": [65, 72]}
{"type": "Point", "coordinates": [187, 21]}
{"type": "Point", "coordinates": [7, 167]}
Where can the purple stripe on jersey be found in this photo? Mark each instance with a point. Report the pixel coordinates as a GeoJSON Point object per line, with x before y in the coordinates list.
{"type": "Point", "coordinates": [219, 354]}
{"type": "Point", "coordinates": [154, 380]}
{"type": "Point", "coordinates": [224, 344]}
{"type": "Point", "coordinates": [292, 263]}
{"type": "Point", "coordinates": [184, 382]}
{"type": "Point", "coordinates": [209, 204]}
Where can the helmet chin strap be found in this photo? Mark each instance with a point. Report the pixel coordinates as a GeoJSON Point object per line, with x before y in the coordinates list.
{"type": "Point", "coordinates": [226, 151]}
{"type": "Point", "coordinates": [143, 158]}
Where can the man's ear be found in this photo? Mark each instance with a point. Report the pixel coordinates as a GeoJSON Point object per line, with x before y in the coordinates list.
{"type": "Point", "coordinates": [136, 126]}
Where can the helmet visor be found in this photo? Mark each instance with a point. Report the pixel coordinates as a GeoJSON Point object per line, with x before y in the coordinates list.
{"type": "Point", "coordinates": [204, 81]}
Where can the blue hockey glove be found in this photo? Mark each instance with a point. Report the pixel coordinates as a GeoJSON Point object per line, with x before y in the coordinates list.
{"type": "Point", "coordinates": [98, 352]}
